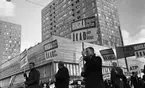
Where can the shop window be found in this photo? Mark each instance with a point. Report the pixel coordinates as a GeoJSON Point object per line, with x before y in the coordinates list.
{"type": "Point", "coordinates": [84, 36]}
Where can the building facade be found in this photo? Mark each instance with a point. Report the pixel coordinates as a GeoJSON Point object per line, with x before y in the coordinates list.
{"type": "Point", "coordinates": [60, 16]}
{"type": "Point", "coordinates": [46, 56]}
{"type": "Point", "coordinates": [10, 40]}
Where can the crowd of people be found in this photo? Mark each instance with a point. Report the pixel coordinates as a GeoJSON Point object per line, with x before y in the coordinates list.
{"type": "Point", "coordinates": [92, 74]}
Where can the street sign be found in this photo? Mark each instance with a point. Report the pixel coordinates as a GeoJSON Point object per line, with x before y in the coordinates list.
{"type": "Point", "coordinates": [108, 54]}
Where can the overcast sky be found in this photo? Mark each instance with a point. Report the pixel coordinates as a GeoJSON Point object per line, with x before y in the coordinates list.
{"type": "Point", "coordinates": [131, 13]}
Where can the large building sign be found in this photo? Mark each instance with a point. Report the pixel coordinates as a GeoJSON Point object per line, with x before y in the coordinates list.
{"type": "Point", "coordinates": [50, 54]}
{"type": "Point", "coordinates": [84, 24]}
{"type": "Point", "coordinates": [51, 45]}
{"type": "Point", "coordinates": [50, 49]}
{"type": "Point", "coordinates": [87, 35]}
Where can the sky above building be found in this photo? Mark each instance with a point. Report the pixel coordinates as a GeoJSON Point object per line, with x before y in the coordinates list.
{"type": "Point", "coordinates": [131, 13]}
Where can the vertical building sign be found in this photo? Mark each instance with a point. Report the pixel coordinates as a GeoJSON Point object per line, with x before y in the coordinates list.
{"type": "Point", "coordinates": [85, 30]}
{"type": "Point", "coordinates": [24, 59]}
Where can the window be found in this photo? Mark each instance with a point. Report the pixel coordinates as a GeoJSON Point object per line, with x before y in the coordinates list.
{"type": "Point", "coordinates": [83, 4]}
{"type": "Point", "coordinates": [84, 36]}
{"type": "Point", "coordinates": [84, 16]}
{"type": "Point", "coordinates": [78, 17]}
{"type": "Point", "coordinates": [105, 42]}
{"type": "Point", "coordinates": [69, 2]}
{"type": "Point", "coordinates": [77, 1]}
{"type": "Point", "coordinates": [80, 36]}
{"type": "Point", "coordinates": [73, 14]}
{"type": "Point", "coordinates": [94, 10]}
{"type": "Point", "coordinates": [93, 4]}
{"type": "Point", "coordinates": [64, 6]}
{"type": "Point", "coordinates": [76, 36]}
{"type": "Point", "coordinates": [70, 12]}
{"type": "Point", "coordinates": [78, 12]}
{"type": "Point", "coordinates": [84, 9]}
{"type": "Point", "coordinates": [64, 1]}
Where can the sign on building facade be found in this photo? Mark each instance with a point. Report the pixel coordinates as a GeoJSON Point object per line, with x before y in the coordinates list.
{"type": "Point", "coordinates": [85, 30]}
{"type": "Point", "coordinates": [51, 49]}
{"type": "Point", "coordinates": [24, 59]}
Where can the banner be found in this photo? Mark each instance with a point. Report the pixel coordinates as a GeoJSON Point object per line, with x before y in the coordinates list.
{"type": "Point", "coordinates": [137, 50]}
{"type": "Point", "coordinates": [108, 54]}
{"type": "Point", "coordinates": [24, 60]}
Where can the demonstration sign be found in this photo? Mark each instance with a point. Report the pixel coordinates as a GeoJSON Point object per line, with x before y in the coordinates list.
{"type": "Point", "coordinates": [133, 68]}
{"type": "Point", "coordinates": [108, 54]}
{"type": "Point", "coordinates": [137, 50]}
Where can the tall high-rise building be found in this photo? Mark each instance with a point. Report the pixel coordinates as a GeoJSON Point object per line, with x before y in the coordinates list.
{"type": "Point", "coordinates": [94, 21]}
{"type": "Point", "coordinates": [10, 40]}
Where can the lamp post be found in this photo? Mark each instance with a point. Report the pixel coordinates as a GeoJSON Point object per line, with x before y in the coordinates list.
{"type": "Point", "coordinates": [123, 48]}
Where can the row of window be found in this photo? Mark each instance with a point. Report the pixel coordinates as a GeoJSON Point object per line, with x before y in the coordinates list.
{"type": "Point", "coordinates": [59, 14]}
{"type": "Point", "coordinates": [65, 15]}
{"type": "Point", "coordinates": [108, 11]}
{"type": "Point", "coordinates": [107, 42]}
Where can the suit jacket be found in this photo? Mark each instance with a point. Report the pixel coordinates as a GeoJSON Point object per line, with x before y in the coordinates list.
{"type": "Point", "coordinates": [115, 77]}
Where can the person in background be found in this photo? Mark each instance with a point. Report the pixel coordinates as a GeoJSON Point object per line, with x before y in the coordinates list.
{"type": "Point", "coordinates": [134, 80]}
{"type": "Point", "coordinates": [32, 81]}
{"type": "Point", "coordinates": [62, 76]}
{"type": "Point", "coordinates": [117, 77]}
{"type": "Point", "coordinates": [92, 69]}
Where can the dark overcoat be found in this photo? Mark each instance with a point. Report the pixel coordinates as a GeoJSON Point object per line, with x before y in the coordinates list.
{"type": "Point", "coordinates": [33, 80]}
{"type": "Point", "coordinates": [62, 78]}
{"type": "Point", "coordinates": [93, 72]}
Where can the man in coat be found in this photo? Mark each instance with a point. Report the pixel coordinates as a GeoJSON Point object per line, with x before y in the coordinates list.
{"type": "Point", "coordinates": [32, 81]}
{"type": "Point", "coordinates": [62, 76]}
{"type": "Point", "coordinates": [117, 77]}
{"type": "Point", "coordinates": [92, 69]}
{"type": "Point", "coordinates": [134, 80]}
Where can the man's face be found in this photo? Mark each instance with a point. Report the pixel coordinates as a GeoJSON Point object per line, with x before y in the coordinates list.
{"type": "Point", "coordinates": [89, 52]}
{"type": "Point", "coordinates": [59, 66]}
{"type": "Point", "coordinates": [114, 64]}
{"type": "Point", "coordinates": [31, 66]}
